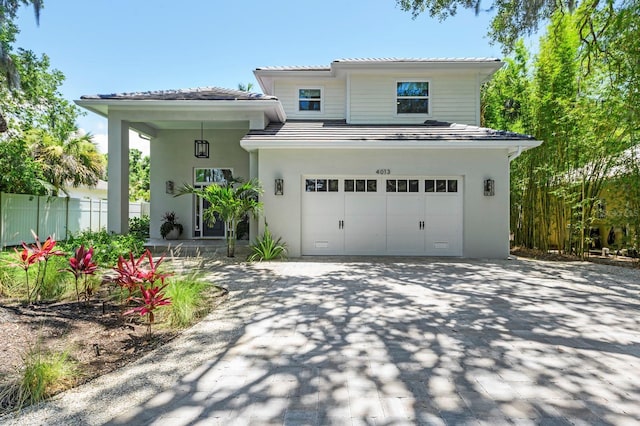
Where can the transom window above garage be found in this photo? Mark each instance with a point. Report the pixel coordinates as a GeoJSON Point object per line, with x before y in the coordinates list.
{"type": "Point", "coordinates": [402, 185]}
{"type": "Point", "coordinates": [310, 99]}
{"type": "Point", "coordinates": [412, 97]}
{"type": "Point", "coordinates": [360, 185]}
{"type": "Point", "coordinates": [321, 185]}
{"type": "Point", "coordinates": [441, 185]}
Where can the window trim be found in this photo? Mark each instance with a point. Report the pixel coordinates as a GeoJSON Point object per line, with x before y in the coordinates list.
{"type": "Point", "coordinates": [298, 99]}
{"type": "Point", "coordinates": [428, 98]}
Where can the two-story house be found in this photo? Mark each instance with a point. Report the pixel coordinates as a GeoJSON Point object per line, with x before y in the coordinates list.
{"type": "Point", "coordinates": [362, 157]}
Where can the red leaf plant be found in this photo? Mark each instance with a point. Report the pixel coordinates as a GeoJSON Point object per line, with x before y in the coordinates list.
{"type": "Point", "coordinates": [26, 258]}
{"type": "Point", "coordinates": [37, 253]}
{"type": "Point", "coordinates": [81, 264]}
{"type": "Point", "coordinates": [133, 272]}
{"type": "Point", "coordinates": [151, 299]}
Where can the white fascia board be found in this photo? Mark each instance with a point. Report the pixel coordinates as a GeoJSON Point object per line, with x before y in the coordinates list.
{"type": "Point", "coordinates": [271, 107]}
{"type": "Point", "coordinates": [512, 145]}
{"type": "Point", "coordinates": [480, 66]}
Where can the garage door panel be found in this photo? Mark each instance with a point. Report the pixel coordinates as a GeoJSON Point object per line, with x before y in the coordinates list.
{"type": "Point", "coordinates": [364, 224]}
{"type": "Point", "coordinates": [321, 230]}
{"type": "Point", "coordinates": [404, 216]}
{"type": "Point", "coordinates": [443, 226]}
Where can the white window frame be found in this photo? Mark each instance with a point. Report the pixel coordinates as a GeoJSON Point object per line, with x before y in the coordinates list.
{"type": "Point", "coordinates": [298, 99]}
{"type": "Point", "coordinates": [428, 98]}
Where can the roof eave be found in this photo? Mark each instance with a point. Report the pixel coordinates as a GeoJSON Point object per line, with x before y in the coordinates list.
{"type": "Point", "coordinates": [511, 145]}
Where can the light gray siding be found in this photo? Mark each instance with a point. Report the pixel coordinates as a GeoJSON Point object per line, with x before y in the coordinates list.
{"type": "Point", "coordinates": [333, 98]}
{"type": "Point", "coordinates": [452, 99]}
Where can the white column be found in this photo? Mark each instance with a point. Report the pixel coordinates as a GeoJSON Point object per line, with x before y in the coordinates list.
{"type": "Point", "coordinates": [118, 168]}
{"type": "Point", "coordinates": [253, 174]}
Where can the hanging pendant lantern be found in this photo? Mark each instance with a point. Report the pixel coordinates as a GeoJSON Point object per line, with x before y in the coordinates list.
{"type": "Point", "coordinates": [201, 146]}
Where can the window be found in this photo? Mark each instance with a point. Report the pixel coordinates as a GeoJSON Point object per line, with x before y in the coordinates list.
{"type": "Point", "coordinates": [321, 185]}
{"type": "Point", "coordinates": [309, 100]}
{"type": "Point", "coordinates": [441, 185]}
{"type": "Point", "coordinates": [360, 185]}
{"type": "Point", "coordinates": [412, 97]}
{"type": "Point", "coordinates": [402, 185]}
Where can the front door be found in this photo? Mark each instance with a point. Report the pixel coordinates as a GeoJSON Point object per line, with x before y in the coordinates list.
{"type": "Point", "coordinates": [203, 177]}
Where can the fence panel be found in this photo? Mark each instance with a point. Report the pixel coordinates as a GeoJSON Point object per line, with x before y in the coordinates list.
{"type": "Point", "coordinates": [19, 214]}
{"type": "Point", "coordinates": [52, 217]}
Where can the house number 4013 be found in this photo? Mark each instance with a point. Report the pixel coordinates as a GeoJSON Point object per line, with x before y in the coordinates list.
{"type": "Point", "coordinates": [383, 171]}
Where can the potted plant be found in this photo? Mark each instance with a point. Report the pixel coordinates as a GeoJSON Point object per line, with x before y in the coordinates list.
{"type": "Point", "coordinates": [170, 228]}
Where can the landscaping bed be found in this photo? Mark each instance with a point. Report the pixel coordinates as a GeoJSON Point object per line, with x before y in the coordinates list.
{"type": "Point", "coordinates": [95, 335]}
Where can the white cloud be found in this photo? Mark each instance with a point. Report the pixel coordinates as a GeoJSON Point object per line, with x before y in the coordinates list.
{"type": "Point", "coordinates": [102, 142]}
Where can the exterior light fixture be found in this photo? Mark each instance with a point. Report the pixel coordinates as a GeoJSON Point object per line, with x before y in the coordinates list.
{"type": "Point", "coordinates": [201, 146]}
{"type": "Point", "coordinates": [279, 187]}
{"type": "Point", "coordinates": [489, 187]}
{"type": "Point", "coordinates": [169, 186]}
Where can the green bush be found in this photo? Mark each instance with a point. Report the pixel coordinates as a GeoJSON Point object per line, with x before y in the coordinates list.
{"type": "Point", "coordinates": [187, 301]}
{"type": "Point", "coordinates": [107, 246]}
{"type": "Point", "coordinates": [266, 248]}
{"type": "Point", "coordinates": [139, 227]}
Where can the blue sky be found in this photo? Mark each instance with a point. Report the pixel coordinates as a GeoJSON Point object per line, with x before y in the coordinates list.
{"type": "Point", "coordinates": [106, 46]}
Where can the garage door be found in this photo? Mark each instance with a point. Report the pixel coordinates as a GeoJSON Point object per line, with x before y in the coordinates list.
{"type": "Point", "coordinates": [380, 216]}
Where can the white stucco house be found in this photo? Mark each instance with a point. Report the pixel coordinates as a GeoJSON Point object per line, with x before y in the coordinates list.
{"type": "Point", "coordinates": [361, 157]}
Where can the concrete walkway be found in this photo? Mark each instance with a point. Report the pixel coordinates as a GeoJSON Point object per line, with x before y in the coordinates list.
{"type": "Point", "coordinates": [388, 342]}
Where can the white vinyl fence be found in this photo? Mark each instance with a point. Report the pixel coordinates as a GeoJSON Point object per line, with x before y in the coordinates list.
{"type": "Point", "coordinates": [19, 214]}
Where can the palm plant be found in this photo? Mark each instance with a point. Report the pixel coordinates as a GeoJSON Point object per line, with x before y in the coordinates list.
{"type": "Point", "coordinates": [74, 160]}
{"type": "Point", "coordinates": [230, 202]}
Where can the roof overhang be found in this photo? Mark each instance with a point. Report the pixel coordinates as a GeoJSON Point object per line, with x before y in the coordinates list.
{"type": "Point", "coordinates": [512, 146]}
{"type": "Point", "coordinates": [150, 111]}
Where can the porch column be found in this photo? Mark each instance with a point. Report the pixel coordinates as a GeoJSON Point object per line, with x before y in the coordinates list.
{"type": "Point", "coordinates": [118, 169]}
{"type": "Point", "coordinates": [253, 174]}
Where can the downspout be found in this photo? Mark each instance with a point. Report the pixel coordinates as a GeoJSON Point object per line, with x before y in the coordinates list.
{"type": "Point", "coordinates": [516, 154]}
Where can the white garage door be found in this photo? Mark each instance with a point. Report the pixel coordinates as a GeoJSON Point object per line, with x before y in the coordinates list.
{"type": "Point", "coordinates": [378, 216]}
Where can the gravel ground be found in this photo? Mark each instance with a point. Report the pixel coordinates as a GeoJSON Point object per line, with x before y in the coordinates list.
{"type": "Point", "coordinates": [109, 396]}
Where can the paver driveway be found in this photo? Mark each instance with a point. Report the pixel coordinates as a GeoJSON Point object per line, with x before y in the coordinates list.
{"type": "Point", "coordinates": [391, 342]}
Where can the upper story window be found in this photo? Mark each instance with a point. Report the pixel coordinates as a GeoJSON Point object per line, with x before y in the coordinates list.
{"type": "Point", "coordinates": [412, 97]}
{"type": "Point", "coordinates": [310, 99]}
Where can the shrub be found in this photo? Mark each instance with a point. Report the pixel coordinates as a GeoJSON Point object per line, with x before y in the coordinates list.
{"type": "Point", "coordinates": [139, 227]}
{"type": "Point", "coordinates": [266, 248]}
{"type": "Point", "coordinates": [107, 247]}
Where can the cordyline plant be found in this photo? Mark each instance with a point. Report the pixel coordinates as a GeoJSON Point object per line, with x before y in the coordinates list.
{"type": "Point", "coordinates": [142, 274]}
{"type": "Point", "coordinates": [151, 299]}
{"type": "Point", "coordinates": [37, 253]}
{"type": "Point", "coordinates": [134, 272]}
{"type": "Point", "coordinates": [26, 258]}
{"type": "Point", "coordinates": [81, 264]}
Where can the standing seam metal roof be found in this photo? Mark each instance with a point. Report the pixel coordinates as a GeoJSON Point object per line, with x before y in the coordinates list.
{"type": "Point", "coordinates": [329, 131]}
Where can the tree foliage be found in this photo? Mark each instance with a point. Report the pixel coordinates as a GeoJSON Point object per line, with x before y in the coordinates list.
{"type": "Point", "coordinates": [515, 19]}
{"type": "Point", "coordinates": [139, 180]}
{"type": "Point", "coordinates": [586, 114]}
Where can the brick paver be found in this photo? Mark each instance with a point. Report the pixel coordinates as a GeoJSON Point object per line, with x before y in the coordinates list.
{"type": "Point", "coordinates": [405, 341]}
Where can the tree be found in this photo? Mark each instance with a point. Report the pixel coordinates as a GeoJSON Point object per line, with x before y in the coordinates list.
{"type": "Point", "coordinates": [19, 172]}
{"type": "Point", "coordinates": [245, 87]}
{"type": "Point", "coordinates": [8, 31]}
{"type": "Point", "coordinates": [73, 161]}
{"type": "Point", "coordinates": [139, 181]}
{"type": "Point", "coordinates": [230, 202]}
{"type": "Point", "coordinates": [517, 18]}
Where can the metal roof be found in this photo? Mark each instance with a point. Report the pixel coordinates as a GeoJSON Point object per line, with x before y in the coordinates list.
{"type": "Point", "coordinates": [331, 131]}
{"type": "Point", "coordinates": [196, 94]}
{"type": "Point", "coordinates": [376, 61]}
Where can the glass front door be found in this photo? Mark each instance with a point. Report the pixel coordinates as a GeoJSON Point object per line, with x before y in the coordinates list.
{"type": "Point", "coordinates": [203, 177]}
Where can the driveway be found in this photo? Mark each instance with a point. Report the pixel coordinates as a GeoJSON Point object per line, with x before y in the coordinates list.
{"type": "Point", "coordinates": [387, 342]}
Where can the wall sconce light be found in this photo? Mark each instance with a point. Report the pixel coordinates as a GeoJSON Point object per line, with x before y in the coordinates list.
{"type": "Point", "coordinates": [489, 187]}
{"type": "Point", "coordinates": [279, 186]}
{"type": "Point", "coordinates": [201, 146]}
{"type": "Point", "coordinates": [168, 187]}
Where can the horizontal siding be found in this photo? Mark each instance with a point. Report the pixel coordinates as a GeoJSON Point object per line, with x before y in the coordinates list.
{"type": "Point", "coordinates": [373, 99]}
{"type": "Point", "coordinates": [333, 98]}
